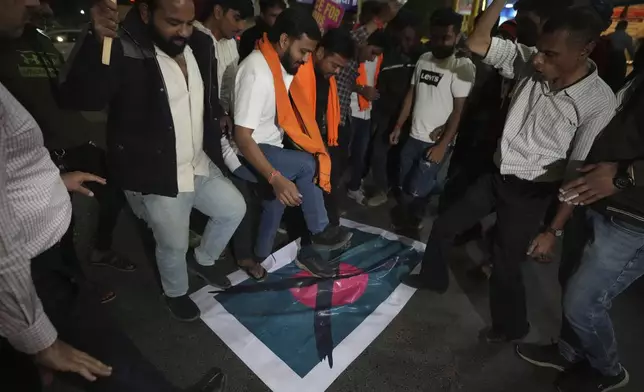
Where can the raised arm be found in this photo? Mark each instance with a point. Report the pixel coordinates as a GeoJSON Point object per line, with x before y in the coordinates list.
{"type": "Point", "coordinates": [85, 83]}
{"type": "Point", "coordinates": [481, 38]}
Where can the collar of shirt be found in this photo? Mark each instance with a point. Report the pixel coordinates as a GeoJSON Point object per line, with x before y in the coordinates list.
{"type": "Point", "coordinates": [578, 90]}
{"type": "Point", "coordinates": [161, 53]}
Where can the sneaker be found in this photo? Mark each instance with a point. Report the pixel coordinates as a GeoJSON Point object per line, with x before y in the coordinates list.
{"type": "Point", "coordinates": [309, 259]}
{"type": "Point", "coordinates": [207, 272]}
{"type": "Point", "coordinates": [494, 336]}
{"type": "Point", "coordinates": [213, 381]}
{"type": "Point", "coordinates": [590, 380]}
{"type": "Point", "coordinates": [182, 308]}
{"type": "Point", "coordinates": [378, 199]}
{"type": "Point", "coordinates": [547, 356]}
{"type": "Point", "coordinates": [358, 196]}
{"type": "Point", "coordinates": [332, 238]}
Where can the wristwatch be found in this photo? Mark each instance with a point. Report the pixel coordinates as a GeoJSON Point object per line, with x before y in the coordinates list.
{"type": "Point", "coordinates": [555, 232]}
{"type": "Point", "coordinates": [623, 179]}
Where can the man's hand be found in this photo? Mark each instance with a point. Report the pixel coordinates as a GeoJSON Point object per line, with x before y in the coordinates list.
{"type": "Point", "coordinates": [594, 185]}
{"type": "Point", "coordinates": [286, 191]}
{"type": "Point", "coordinates": [105, 19]}
{"type": "Point", "coordinates": [542, 247]}
{"type": "Point", "coordinates": [74, 182]}
{"type": "Point", "coordinates": [370, 93]}
{"type": "Point", "coordinates": [62, 357]}
{"type": "Point", "coordinates": [436, 153]}
{"type": "Point", "coordinates": [394, 137]}
{"type": "Point", "coordinates": [226, 124]}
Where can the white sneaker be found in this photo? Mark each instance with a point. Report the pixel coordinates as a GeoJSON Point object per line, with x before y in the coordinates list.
{"type": "Point", "coordinates": [358, 196]}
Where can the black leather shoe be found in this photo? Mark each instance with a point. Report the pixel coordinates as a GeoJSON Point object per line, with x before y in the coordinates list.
{"type": "Point", "coordinates": [213, 381]}
{"type": "Point", "coordinates": [436, 284]}
{"type": "Point", "coordinates": [182, 308]}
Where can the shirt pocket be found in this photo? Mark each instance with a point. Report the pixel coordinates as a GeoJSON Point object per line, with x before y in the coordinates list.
{"type": "Point", "coordinates": [553, 129]}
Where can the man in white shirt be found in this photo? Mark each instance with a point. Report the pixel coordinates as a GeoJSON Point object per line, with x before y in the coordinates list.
{"type": "Point", "coordinates": [558, 108]}
{"type": "Point", "coordinates": [163, 135]}
{"type": "Point", "coordinates": [370, 58]}
{"type": "Point", "coordinates": [265, 109]}
{"type": "Point", "coordinates": [439, 88]}
{"type": "Point", "coordinates": [223, 21]}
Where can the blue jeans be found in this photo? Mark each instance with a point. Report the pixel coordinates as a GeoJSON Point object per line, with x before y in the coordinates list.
{"type": "Point", "coordinates": [417, 175]}
{"type": "Point", "coordinates": [299, 167]}
{"type": "Point", "coordinates": [169, 219]}
{"type": "Point", "coordinates": [611, 262]}
{"type": "Point", "coordinates": [360, 139]}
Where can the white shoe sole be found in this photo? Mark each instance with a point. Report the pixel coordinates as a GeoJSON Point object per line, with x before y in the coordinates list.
{"type": "Point", "coordinates": [538, 363]}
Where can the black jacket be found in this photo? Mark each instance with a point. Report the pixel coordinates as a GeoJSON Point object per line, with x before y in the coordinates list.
{"type": "Point", "coordinates": [141, 145]}
{"type": "Point", "coordinates": [623, 141]}
{"type": "Point", "coordinates": [394, 81]}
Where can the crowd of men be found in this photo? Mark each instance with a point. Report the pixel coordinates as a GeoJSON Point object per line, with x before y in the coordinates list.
{"type": "Point", "coordinates": [293, 117]}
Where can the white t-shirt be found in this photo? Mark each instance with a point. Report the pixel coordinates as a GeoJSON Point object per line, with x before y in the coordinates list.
{"type": "Point", "coordinates": [370, 68]}
{"type": "Point", "coordinates": [437, 82]}
{"type": "Point", "coordinates": [227, 59]}
{"type": "Point", "coordinates": [255, 105]}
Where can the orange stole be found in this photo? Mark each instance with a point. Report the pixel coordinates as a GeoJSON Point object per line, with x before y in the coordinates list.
{"type": "Point", "coordinates": [306, 81]}
{"type": "Point", "coordinates": [362, 81]}
{"type": "Point", "coordinates": [305, 135]}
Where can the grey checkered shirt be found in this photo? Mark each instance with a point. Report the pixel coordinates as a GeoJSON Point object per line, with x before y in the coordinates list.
{"type": "Point", "coordinates": [547, 133]}
{"type": "Point", "coordinates": [346, 78]}
{"type": "Point", "coordinates": [35, 212]}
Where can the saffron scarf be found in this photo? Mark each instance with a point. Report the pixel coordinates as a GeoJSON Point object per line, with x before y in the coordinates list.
{"type": "Point", "coordinates": [306, 80]}
{"type": "Point", "coordinates": [362, 81]}
{"type": "Point", "coordinates": [305, 134]}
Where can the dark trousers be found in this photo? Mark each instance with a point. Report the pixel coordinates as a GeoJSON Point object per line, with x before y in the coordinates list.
{"type": "Point", "coordinates": [520, 206]}
{"type": "Point", "coordinates": [243, 240]}
{"type": "Point", "coordinates": [91, 159]}
{"type": "Point", "coordinates": [83, 323]}
{"type": "Point", "coordinates": [578, 233]}
{"type": "Point", "coordinates": [361, 136]}
{"type": "Point", "coordinates": [380, 151]}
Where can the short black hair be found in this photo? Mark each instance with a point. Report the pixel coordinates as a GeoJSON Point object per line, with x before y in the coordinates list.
{"type": "Point", "coordinates": [622, 25]}
{"type": "Point", "coordinates": [338, 41]}
{"type": "Point", "coordinates": [445, 17]}
{"type": "Point", "coordinates": [244, 7]}
{"type": "Point", "coordinates": [369, 10]}
{"type": "Point", "coordinates": [544, 9]}
{"type": "Point", "coordinates": [403, 20]}
{"type": "Point", "coordinates": [265, 5]}
{"type": "Point", "coordinates": [379, 39]}
{"type": "Point", "coordinates": [583, 24]}
{"type": "Point", "coordinates": [295, 22]}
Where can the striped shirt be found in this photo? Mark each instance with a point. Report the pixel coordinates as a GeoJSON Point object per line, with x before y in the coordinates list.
{"type": "Point", "coordinates": [35, 212]}
{"type": "Point", "coordinates": [547, 133]}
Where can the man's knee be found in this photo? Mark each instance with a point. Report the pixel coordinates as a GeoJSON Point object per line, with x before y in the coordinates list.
{"type": "Point", "coordinates": [579, 305]}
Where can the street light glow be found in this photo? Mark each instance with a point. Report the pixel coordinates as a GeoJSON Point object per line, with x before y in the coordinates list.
{"type": "Point", "coordinates": [82, 12]}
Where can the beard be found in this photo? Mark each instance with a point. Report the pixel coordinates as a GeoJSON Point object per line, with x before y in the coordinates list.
{"type": "Point", "coordinates": [442, 52]}
{"type": "Point", "coordinates": [289, 64]}
{"type": "Point", "coordinates": [172, 47]}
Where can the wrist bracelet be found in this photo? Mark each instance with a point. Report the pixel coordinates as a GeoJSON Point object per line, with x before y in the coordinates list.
{"type": "Point", "coordinates": [272, 176]}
